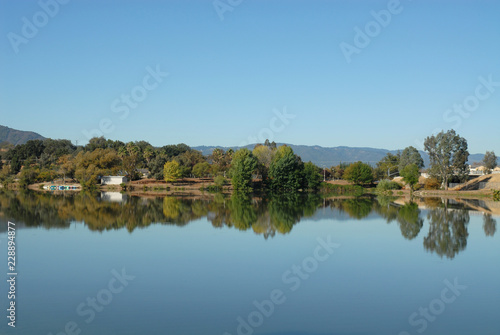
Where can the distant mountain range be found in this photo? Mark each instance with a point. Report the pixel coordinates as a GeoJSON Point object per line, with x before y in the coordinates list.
{"type": "Point", "coordinates": [16, 137]}
{"type": "Point", "coordinates": [321, 156]}
{"type": "Point", "coordinates": [327, 157]}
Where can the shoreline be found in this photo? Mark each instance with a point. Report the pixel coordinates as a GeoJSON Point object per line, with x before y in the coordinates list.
{"type": "Point", "coordinates": [193, 187]}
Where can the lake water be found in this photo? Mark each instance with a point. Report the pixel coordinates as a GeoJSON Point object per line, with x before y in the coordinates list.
{"type": "Point", "coordinates": [300, 265]}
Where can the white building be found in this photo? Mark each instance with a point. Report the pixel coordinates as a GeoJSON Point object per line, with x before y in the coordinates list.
{"type": "Point", "coordinates": [477, 171]}
{"type": "Point", "coordinates": [113, 180]}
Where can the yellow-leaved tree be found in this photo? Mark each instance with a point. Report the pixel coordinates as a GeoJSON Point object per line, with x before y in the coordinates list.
{"type": "Point", "coordinates": [171, 171]}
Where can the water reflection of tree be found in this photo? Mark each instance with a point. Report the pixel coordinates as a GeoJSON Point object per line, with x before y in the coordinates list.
{"type": "Point", "coordinates": [276, 213]}
{"type": "Point", "coordinates": [243, 213]}
{"type": "Point", "coordinates": [407, 216]}
{"type": "Point", "coordinates": [489, 225]}
{"type": "Point", "coordinates": [409, 220]}
{"type": "Point", "coordinates": [447, 231]}
{"type": "Point", "coordinates": [356, 208]}
{"type": "Point", "coordinates": [53, 211]}
{"type": "Point", "coordinates": [266, 216]}
{"type": "Point", "coordinates": [32, 210]}
{"type": "Point", "coordinates": [386, 208]}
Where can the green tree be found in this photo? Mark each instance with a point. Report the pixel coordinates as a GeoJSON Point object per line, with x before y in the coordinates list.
{"type": "Point", "coordinates": [312, 176]}
{"type": "Point", "coordinates": [148, 154]}
{"type": "Point", "coordinates": [387, 166]}
{"type": "Point", "coordinates": [490, 161]}
{"type": "Point", "coordinates": [359, 173]}
{"type": "Point", "coordinates": [129, 165]}
{"type": "Point", "coordinates": [171, 171]}
{"type": "Point", "coordinates": [26, 153]}
{"type": "Point", "coordinates": [409, 156]}
{"type": "Point", "coordinates": [114, 144]}
{"type": "Point", "coordinates": [66, 166]}
{"type": "Point", "coordinates": [156, 166]}
{"type": "Point", "coordinates": [286, 170]}
{"type": "Point", "coordinates": [448, 155]}
{"type": "Point", "coordinates": [243, 165]}
{"type": "Point", "coordinates": [28, 176]}
{"type": "Point", "coordinates": [5, 177]}
{"type": "Point", "coordinates": [338, 171]}
{"type": "Point", "coordinates": [201, 169]}
{"type": "Point", "coordinates": [410, 174]}
{"type": "Point", "coordinates": [174, 150]}
{"type": "Point", "coordinates": [96, 143]}
{"type": "Point", "coordinates": [271, 145]}
{"type": "Point", "coordinates": [57, 148]}
{"type": "Point", "coordinates": [89, 165]}
{"type": "Point", "coordinates": [221, 160]}
{"type": "Point", "coordinates": [264, 154]}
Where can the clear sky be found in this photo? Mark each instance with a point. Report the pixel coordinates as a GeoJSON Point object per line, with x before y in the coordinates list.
{"type": "Point", "coordinates": [346, 78]}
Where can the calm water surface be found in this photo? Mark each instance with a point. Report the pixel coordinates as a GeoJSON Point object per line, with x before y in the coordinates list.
{"type": "Point", "coordinates": [301, 265]}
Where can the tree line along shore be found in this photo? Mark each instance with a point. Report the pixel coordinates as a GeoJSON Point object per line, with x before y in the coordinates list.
{"type": "Point", "coordinates": [266, 167]}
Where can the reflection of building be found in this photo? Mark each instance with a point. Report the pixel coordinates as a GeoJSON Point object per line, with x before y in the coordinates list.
{"type": "Point", "coordinates": [113, 180]}
{"type": "Point", "coordinates": [113, 196]}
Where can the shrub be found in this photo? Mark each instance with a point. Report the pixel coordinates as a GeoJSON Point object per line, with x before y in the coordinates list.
{"type": "Point", "coordinates": [432, 184]}
{"type": "Point", "coordinates": [46, 175]}
{"type": "Point", "coordinates": [28, 176]}
{"type": "Point", "coordinates": [220, 181]}
{"type": "Point", "coordinates": [201, 169]}
{"type": "Point", "coordinates": [334, 189]}
{"type": "Point", "coordinates": [385, 185]}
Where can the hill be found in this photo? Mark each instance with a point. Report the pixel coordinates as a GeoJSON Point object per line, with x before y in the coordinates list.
{"type": "Point", "coordinates": [321, 156]}
{"type": "Point", "coordinates": [327, 157]}
{"type": "Point", "coordinates": [16, 137]}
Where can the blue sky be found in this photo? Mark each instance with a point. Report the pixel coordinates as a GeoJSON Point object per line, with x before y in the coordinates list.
{"type": "Point", "coordinates": [230, 73]}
